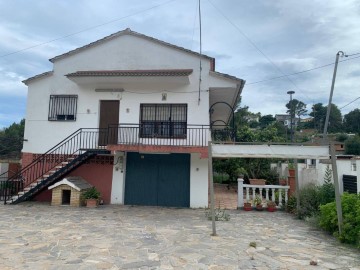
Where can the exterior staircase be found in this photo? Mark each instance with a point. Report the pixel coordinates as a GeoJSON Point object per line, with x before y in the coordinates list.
{"type": "Point", "coordinates": [53, 165]}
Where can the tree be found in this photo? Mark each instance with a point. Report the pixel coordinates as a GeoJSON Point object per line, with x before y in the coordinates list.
{"type": "Point", "coordinates": [352, 146]}
{"type": "Point", "coordinates": [319, 115]}
{"type": "Point", "coordinates": [296, 108]}
{"type": "Point", "coordinates": [11, 139]}
{"type": "Point", "coordinates": [352, 121]}
{"type": "Point", "coordinates": [266, 120]}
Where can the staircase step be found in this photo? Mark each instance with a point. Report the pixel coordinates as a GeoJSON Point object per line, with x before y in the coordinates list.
{"type": "Point", "coordinates": [20, 193]}
{"type": "Point", "coordinates": [65, 162]}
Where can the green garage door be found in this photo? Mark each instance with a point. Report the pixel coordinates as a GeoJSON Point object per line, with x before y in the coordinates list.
{"type": "Point", "coordinates": [160, 180]}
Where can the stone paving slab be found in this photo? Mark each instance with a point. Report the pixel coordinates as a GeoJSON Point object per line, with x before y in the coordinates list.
{"type": "Point", "coordinates": [40, 236]}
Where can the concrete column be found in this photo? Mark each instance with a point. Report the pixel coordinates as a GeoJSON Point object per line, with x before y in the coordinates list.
{"type": "Point", "coordinates": [240, 192]}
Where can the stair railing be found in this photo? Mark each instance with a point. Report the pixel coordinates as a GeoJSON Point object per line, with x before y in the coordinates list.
{"type": "Point", "coordinates": [81, 140]}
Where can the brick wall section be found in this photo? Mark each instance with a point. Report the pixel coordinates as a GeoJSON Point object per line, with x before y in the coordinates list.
{"type": "Point", "coordinates": [26, 159]}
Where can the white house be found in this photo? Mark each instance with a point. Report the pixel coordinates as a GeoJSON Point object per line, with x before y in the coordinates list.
{"type": "Point", "coordinates": [129, 114]}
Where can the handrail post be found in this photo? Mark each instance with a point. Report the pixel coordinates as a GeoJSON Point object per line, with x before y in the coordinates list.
{"type": "Point", "coordinates": [240, 193]}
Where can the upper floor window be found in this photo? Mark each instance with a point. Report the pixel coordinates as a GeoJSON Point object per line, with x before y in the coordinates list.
{"type": "Point", "coordinates": [163, 120]}
{"type": "Point", "coordinates": [353, 165]}
{"type": "Point", "coordinates": [62, 107]}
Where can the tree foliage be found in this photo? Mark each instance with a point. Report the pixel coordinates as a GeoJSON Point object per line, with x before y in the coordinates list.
{"type": "Point", "coordinates": [352, 145]}
{"type": "Point", "coordinates": [352, 121]}
{"type": "Point", "coordinates": [11, 140]}
{"type": "Point", "coordinates": [319, 116]}
{"type": "Point", "coordinates": [296, 108]}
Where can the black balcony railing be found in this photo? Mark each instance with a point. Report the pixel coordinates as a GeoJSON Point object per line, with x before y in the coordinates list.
{"type": "Point", "coordinates": [85, 140]}
{"type": "Point", "coordinates": [167, 135]}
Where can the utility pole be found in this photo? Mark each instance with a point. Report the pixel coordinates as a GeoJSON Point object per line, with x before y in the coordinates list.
{"type": "Point", "coordinates": [340, 53]}
{"type": "Point", "coordinates": [291, 116]}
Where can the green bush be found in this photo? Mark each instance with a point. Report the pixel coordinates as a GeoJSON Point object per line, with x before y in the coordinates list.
{"type": "Point", "coordinates": [309, 201]}
{"type": "Point", "coordinates": [311, 197]}
{"type": "Point", "coordinates": [351, 219]}
{"type": "Point", "coordinates": [291, 205]}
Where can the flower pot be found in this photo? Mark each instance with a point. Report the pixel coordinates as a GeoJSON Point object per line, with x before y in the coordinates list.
{"type": "Point", "coordinates": [259, 207]}
{"type": "Point", "coordinates": [257, 182]}
{"type": "Point", "coordinates": [282, 182]}
{"type": "Point", "coordinates": [271, 209]}
{"type": "Point", "coordinates": [91, 203]}
{"type": "Point", "coordinates": [247, 207]}
{"type": "Point", "coordinates": [291, 172]}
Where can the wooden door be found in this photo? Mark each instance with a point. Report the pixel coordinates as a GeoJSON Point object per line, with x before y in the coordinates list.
{"type": "Point", "coordinates": [109, 116]}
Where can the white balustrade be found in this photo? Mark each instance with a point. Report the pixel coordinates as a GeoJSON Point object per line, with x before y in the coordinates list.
{"type": "Point", "coordinates": [282, 190]}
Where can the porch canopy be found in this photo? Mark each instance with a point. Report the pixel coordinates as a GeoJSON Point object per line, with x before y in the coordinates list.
{"type": "Point", "coordinates": [122, 78]}
{"type": "Point", "coordinates": [289, 151]}
{"type": "Point", "coordinates": [224, 95]}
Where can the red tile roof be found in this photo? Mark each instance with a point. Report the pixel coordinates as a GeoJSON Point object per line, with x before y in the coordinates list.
{"type": "Point", "coordinates": [131, 73]}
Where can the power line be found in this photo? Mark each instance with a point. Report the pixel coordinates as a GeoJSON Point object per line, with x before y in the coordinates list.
{"type": "Point", "coordinates": [87, 29]}
{"type": "Point", "coordinates": [255, 46]}
{"type": "Point", "coordinates": [349, 103]}
{"type": "Point", "coordinates": [303, 71]}
{"type": "Point", "coordinates": [352, 54]}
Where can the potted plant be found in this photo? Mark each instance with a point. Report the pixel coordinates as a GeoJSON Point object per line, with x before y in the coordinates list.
{"type": "Point", "coordinates": [247, 206]}
{"type": "Point", "coordinates": [271, 206]}
{"type": "Point", "coordinates": [240, 172]}
{"type": "Point", "coordinates": [282, 181]}
{"type": "Point", "coordinates": [291, 169]}
{"type": "Point", "coordinates": [91, 197]}
{"type": "Point", "coordinates": [258, 203]}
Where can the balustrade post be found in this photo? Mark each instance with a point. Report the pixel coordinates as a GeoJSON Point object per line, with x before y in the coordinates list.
{"type": "Point", "coordinates": [247, 194]}
{"type": "Point", "coordinates": [253, 193]}
{"type": "Point", "coordinates": [273, 194]}
{"type": "Point", "coordinates": [267, 194]}
{"type": "Point", "coordinates": [286, 195]}
{"type": "Point", "coordinates": [280, 197]}
{"type": "Point", "coordinates": [240, 192]}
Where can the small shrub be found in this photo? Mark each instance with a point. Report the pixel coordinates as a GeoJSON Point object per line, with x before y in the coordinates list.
{"type": "Point", "coordinates": [220, 215]}
{"type": "Point", "coordinates": [91, 193]}
{"type": "Point", "coordinates": [351, 219]}
{"type": "Point", "coordinates": [252, 244]}
{"type": "Point", "coordinates": [309, 201]}
{"type": "Point", "coordinates": [291, 205]}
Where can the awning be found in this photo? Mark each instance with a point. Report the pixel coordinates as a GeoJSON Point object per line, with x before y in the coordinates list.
{"type": "Point", "coordinates": [100, 78]}
{"type": "Point", "coordinates": [270, 151]}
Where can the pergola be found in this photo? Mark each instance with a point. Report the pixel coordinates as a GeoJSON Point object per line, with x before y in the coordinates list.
{"type": "Point", "coordinates": [272, 150]}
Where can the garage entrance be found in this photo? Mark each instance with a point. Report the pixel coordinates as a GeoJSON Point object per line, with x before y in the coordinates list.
{"type": "Point", "coordinates": [158, 179]}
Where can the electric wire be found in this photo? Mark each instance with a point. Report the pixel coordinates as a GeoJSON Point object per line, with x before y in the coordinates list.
{"type": "Point", "coordinates": [349, 103]}
{"type": "Point", "coordinates": [87, 29]}
{"type": "Point", "coordinates": [303, 71]}
{"type": "Point", "coordinates": [256, 47]}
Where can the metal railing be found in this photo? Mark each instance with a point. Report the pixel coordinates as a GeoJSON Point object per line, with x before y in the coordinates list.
{"type": "Point", "coordinates": [167, 135]}
{"type": "Point", "coordinates": [78, 142]}
{"type": "Point", "coordinates": [94, 138]}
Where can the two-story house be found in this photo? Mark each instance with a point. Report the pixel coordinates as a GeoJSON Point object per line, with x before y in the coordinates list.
{"type": "Point", "coordinates": [129, 114]}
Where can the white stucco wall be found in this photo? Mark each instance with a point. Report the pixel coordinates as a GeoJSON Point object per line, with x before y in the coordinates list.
{"type": "Point", "coordinates": [315, 174]}
{"type": "Point", "coordinates": [4, 167]}
{"type": "Point", "coordinates": [118, 180]}
{"type": "Point", "coordinates": [198, 182]}
{"type": "Point", "coordinates": [123, 53]}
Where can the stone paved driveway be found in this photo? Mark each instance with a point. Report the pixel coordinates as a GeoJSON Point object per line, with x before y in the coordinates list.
{"type": "Point", "coordinates": [38, 236]}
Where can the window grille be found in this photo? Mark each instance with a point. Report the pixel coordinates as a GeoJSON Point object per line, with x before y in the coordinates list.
{"type": "Point", "coordinates": [62, 107]}
{"type": "Point", "coordinates": [163, 120]}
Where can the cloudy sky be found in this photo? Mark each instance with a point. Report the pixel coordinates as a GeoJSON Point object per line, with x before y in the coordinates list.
{"type": "Point", "coordinates": [257, 40]}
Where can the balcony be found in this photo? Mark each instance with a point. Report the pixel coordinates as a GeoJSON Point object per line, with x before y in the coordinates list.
{"type": "Point", "coordinates": [164, 134]}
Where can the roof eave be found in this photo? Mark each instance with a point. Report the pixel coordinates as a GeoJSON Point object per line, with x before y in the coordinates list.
{"type": "Point", "coordinates": [128, 31]}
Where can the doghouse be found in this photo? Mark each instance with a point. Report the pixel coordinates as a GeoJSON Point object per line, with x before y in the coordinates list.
{"type": "Point", "coordinates": [68, 191]}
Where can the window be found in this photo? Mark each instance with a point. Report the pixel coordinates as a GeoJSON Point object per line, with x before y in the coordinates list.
{"type": "Point", "coordinates": [62, 108]}
{"type": "Point", "coordinates": [353, 165]}
{"type": "Point", "coordinates": [163, 120]}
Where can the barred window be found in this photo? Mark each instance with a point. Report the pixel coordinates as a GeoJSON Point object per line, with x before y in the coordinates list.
{"type": "Point", "coordinates": [62, 107]}
{"type": "Point", "coordinates": [163, 120]}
